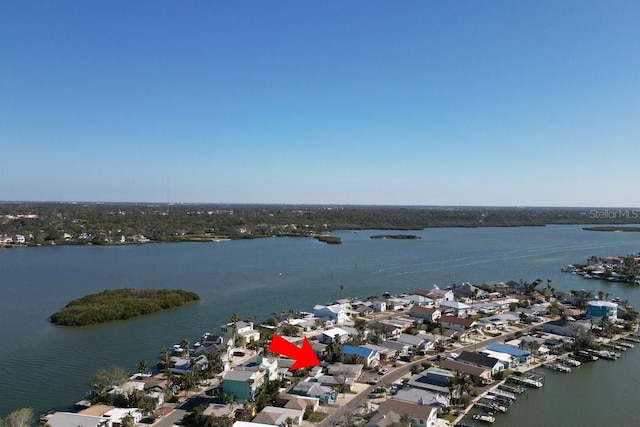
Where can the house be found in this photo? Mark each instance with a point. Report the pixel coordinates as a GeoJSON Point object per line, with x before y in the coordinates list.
{"type": "Point", "coordinates": [353, 370]}
{"type": "Point", "coordinates": [336, 312]}
{"type": "Point", "coordinates": [423, 397]}
{"type": "Point", "coordinates": [419, 342]}
{"type": "Point", "coordinates": [481, 360]}
{"type": "Point", "coordinates": [273, 415]}
{"type": "Point", "coordinates": [396, 304]}
{"type": "Point", "coordinates": [457, 323]}
{"type": "Point", "coordinates": [19, 239]}
{"type": "Point", "coordinates": [241, 332]}
{"type": "Point", "coordinates": [436, 294]}
{"type": "Point", "coordinates": [521, 356]}
{"type": "Point", "coordinates": [564, 327]}
{"type": "Point", "coordinates": [300, 402]}
{"type": "Point", "coordinates": [477, 372]}
{"type": "Point", "coordinates": [330, 335]}
{"type": "Point", "coordinates": [422, 415]}
{"type": "Point", "coordinates": [68, 419]}
{"type": "Point", "coordinates": [324, 394]}
{"type": "Point", "coordinates": [243, 385]}
{"type": "Point", "coordinates": [434, 379]}
{"type": "Point", "coordinates": [399, 324]}
{"type": "Point", "coordinates": [455, 308]}
{"type": "Point", "coordinates": [370, 357]}
{"type": "Point", "coordinates": [467, 290]}
{"type": "Point", "coordinates": [428, 314]}
{"type": "Point", "coordinates": [420, 300]}
{"type": "Point", "coordinates": [379, 305]}
{"type": "Point", "coordinates": [117, 415]}
{"type": "Point", "coordinates": [599, 309]}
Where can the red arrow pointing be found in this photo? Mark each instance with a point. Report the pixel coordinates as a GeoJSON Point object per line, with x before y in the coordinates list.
{"type": "Point", "coordinates": [305, 357]}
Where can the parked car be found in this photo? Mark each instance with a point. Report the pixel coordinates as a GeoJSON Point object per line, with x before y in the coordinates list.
{"type": "Point", "coordinates": [383, 371]}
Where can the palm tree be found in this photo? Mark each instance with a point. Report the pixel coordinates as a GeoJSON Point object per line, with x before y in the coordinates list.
{"type": "Point", "coordinates": [406, 421]}
{"type": "Point", "coordinates": [142, 366]}
{"type": "Point", "coordinates": [234, 319]}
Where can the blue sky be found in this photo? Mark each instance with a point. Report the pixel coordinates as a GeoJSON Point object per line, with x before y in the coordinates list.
{"type": "Point", "coordinates": [510, 103]}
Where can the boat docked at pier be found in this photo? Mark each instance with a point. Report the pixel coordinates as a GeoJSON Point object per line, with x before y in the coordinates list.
{"type": "Point", "coordinates": [485, 418]}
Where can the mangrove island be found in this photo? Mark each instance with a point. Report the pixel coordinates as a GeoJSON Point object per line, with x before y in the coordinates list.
{"type": "Point", "coordinates": [120, 304]}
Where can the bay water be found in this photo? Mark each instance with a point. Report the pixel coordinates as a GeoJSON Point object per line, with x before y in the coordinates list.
{"type": "Point", "coordinates": [46, 367]}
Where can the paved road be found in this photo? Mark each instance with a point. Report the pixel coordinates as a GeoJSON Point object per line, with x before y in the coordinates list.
{"type": "Point", "coordinates": [343, 412]}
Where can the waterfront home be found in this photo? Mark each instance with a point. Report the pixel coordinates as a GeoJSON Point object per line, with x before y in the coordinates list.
{"type": "Point", "coordinates": [336, 312]}
{"type": "Point", "coordinates": [69, 419]}
{"type": "Point", "coordinates": [457, 323]}
{"type": "Point", "coordinates": [422, 415]}
{"type": "Point", "coordinates": [330, 335]}
{"type": "Point", "coordinates": [395, 303]}
{"type": "Point", "coordinates": [434, 379]}
{"type": "Point", "coordinates": [126, 389]}
{"type": "Point", "coordinates": [243, 385]}
{"type": "Point", "coordinates": [508, 361]}
{"type": "Point", "coordinates": [182, 365]}
{"type": "Point", "coordinates": [565, 327]}
{"type": "Point", "coordinates": [481, 360]}
{"type": "Point", "coordinates": [117, 415]}
{"type": "Point", "coordinates": [598, 309]}
{"type": "Point", "coordinates": [324, 394]}
{"type": "Point", "coordinates": [422, 397]}
{"type": "Point", "coordinates": [467, 290]}
{"type": "Point", "coordinates": [521, 356]}
{"type": "Point", "coordinates": [274, 415]}
{"type": "Point", "coordinates": [478, 373]}
{"type": "Point", "coordinates": [436, 294]}
{"type": "Point", "coordinates": [427, 314]}
{"type": "Point", "coordinates": [420, 300]}
{"type": "Point", "coordinates": [242, 332]}
{"type": "Point", "coordinates": [380, 305]}
{"type": "Point", "coordinates": [454, 308]}
{"type": "Point", "coordinates": [371, 358]}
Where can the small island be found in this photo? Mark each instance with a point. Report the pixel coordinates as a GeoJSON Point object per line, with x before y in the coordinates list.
{"type": "Point", "coordinates": [396, 236]}
{"type": "Point", "coordinates": [612, 228]}
{"type": "Point", "coordinates": [332, 240]}
{"type": "Point", "coordinates": [120, 304]}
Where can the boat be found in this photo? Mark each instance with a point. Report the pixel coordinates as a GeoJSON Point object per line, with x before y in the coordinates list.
{"type": "Point", "coordinates": [558, 367]}
{"type": "Point", "coordinates": [569, 361]}
{"type": "Point", "coordinates": [585, 356]}
{"type": "Point", "coordinates": [527, 381]}
{"type": "Point", "coordinates": [485, 418]}
{"type": "Point", "coordinates": [512, 388]}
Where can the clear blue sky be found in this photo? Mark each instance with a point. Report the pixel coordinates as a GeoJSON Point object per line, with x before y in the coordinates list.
{"type": "Point", "coordinates": [512, 103]}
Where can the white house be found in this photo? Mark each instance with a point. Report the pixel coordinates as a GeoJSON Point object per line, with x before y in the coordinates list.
{"type": "Point", "coordinates": [335, 312]}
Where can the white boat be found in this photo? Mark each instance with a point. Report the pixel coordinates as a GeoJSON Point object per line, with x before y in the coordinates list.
{"type": "Point", "coordinates": [485, 418]}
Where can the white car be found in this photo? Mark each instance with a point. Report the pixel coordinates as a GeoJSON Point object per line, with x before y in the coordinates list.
{"type": "Point", "coordinates": [383, 371]}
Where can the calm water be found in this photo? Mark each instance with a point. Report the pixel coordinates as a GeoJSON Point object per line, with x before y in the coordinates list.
{"type": "Point", "coordinates": [47, 367]}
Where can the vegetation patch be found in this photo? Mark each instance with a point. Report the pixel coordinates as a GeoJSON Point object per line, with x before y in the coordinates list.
{"type": "Point", "coordinates": [611, 228]}
{"type": "Point", "coordinates": [120, 304]}
{"type": "Point", "coordinates": [396, 236]}
{"type": "Point", "coordinates": [332, 240]}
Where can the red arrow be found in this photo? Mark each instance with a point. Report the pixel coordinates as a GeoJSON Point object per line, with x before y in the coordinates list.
{"type": "Point", "coordinates": [305, 357]}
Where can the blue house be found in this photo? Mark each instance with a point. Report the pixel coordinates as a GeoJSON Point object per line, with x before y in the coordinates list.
{"type": "Point", "coordinates": [521, 356]}
{"type": "Point", "coordinates": [600, 309]}
{"type": "Point", "coordinates": [370, 357]}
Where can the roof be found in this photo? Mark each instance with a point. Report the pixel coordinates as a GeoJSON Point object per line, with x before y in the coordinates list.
{"type": "Point", "coordinates": [69, 419]}
{"type": "Point", "coordinates": [421, 412]}
{"type": "Point", "coordinates": [501, 348]}
{"type": "Point", "coordinates": [422, 310]}
{"type": "Point", "coordinates": [466, 322]}
{"type": "Point", "coordinates": [464, 367]}
{"type": "Point", "coordinates": [477, 359]}
{"type": "Point", "coordinates": [455, 304]}
{"type": "Point", "coordinates": [360, 351]}
{"type": "Point", "coordinates": [239, 375]}
{"type": "Point", "coordinates": [419, 395]}
{"type": "Point", "coordinates": [415, 340]}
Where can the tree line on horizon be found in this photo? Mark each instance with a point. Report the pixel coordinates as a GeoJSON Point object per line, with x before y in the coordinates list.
{"type": "Point", "coordinates": [101, 223]}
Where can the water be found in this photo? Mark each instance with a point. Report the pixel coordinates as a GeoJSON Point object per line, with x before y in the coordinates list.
{"type": "Point", "coordinates": [48, 368]}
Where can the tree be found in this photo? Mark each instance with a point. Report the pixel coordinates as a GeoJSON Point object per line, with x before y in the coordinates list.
{"type": "Point", "coordinates": [234, 319]}
{"type": "Point", "coordinates": [406, 421]}
{"type": "Point", "coordinates": [103, 381]}
{"type": "Point", "coordinates": [142, 365]}
{"type": "Point", "coordinates": [20, 418]}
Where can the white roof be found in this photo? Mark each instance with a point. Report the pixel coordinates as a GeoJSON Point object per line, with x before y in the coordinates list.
{"type": "Point", "coordinates": [69, 419]}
